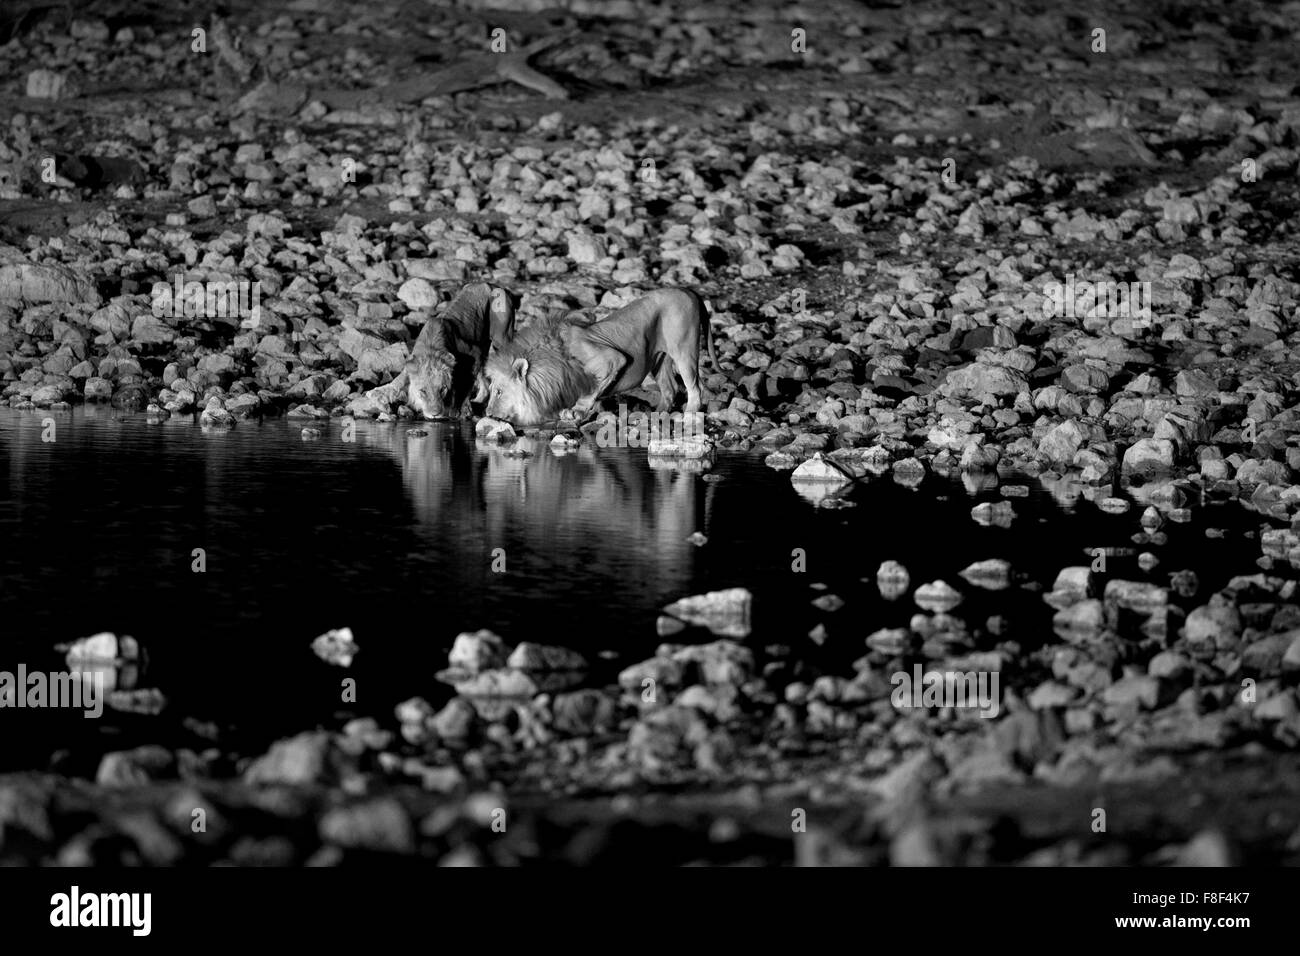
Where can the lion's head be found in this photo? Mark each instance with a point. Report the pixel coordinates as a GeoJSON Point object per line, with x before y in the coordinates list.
{"type": "Point", "coordinates": [432, 378]}
{"type": "Point", "coordinates": [531, 386]}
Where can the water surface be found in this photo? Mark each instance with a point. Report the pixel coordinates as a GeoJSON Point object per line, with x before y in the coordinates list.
{"type": "Point", "coordinates": [396, 538]}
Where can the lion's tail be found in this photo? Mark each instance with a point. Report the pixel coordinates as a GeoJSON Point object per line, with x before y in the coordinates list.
{"type": "Point", "coordinates": [705, 312]}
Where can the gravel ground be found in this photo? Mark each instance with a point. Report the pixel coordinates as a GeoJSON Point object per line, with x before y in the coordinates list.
{"type": "Point", "coordinates": [894, 230]}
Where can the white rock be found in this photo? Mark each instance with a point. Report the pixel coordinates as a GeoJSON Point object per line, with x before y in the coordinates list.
{"type": "Point", "coordinates": [474, 651]}
{"type": "Point", "coordinates": [493, 429]}
{"type": "Point", "coordinates": [822, 470]}
{"type": "Point", "coordinates": [418, 293]}
{"type": "Point", "coordinates": [1149, 456]}
{"type": "Point", "coordinates": [680, 448]}
{"type": "Point", "coordinates": [46, 85]}
{"type": "Point", "coordinates": [937, 596]}
{"type": "Point", "coordinates": [993, 574]}
{"type": "Point", "coordinates": [336, 647]}
{"type": "Point", "coordinates": [725, 613]}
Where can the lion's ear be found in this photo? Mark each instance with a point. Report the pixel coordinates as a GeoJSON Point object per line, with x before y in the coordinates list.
{"type": "Point", "coordinates": [520, 369]}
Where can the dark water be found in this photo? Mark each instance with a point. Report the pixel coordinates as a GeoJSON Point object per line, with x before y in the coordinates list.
{"type": "Point", "coordinates": [394, 537]}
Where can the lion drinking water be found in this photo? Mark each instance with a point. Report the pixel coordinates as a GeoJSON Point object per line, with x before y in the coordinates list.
{"type": "Point", "coordinates": [448, 357]}
{"type": "Point", "coordinates": [569, 366]}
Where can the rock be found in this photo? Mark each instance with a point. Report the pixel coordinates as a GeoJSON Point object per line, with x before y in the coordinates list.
{"type": "Point", "coordinates": [1207, 848]}
{"type": "Point", "coordinates": [203, 207]}
{"type": "Point", "coordinates": [97, 390]}
{"type": "Point", "coordinates": [937, 596]}
{"type": "Point", "coordinates": [355, 343]}
{"type": "Point", "coordinates": [1051, 694]}
{"type": "Point", "coordinates": [379, 364]}
{"type": "Point", "coordinates": [46, 85]}
{"type": "Point", "coordinates": [666, 735]}
{"type": "Point", "coordinates": [145, 700]}
{"type": "Point", "coordinates": [336, 647]}
{"type": "Point", "coordinates": [1137, 691]}
{"type": "Point", "coordinates": [680, 447]}
{"type": "Point", "coordinates": [583, 713]}
{"type": "Point", "coordinates": [979, 458]}
{"type": "Point", "coordinates": [47, 395]}
{"type": "Point", "coordinates": [1255, 472]}
{"type": "Point", "coordinates": [418, 293]}
{"type": "Point", "coordinates": [381, 825]}
{"type": "Point", "coordinates": [1080, 619]}
{"type": "Point", "coordinates": [585, 248]}
{"type": "Point", "coordinates": [507, 682]}
{"type": "Point", "coordinates": [1278, 542]}
{"type": "Point", "coordinates": [1062, 442]}
{"type": "Point", "coordinates": [1137, 596]}
{"type": "Point", "coordinates": [1279, 707]}
{"type": "Point", "coordinates": [821, 470]}
{"type": "Point", "coordinates": [1217, 624]}
{"type": "Point", "coordinates": [214, 415]}
{"type": "Point", "coordinates": [909, 471]}
{"type": "Point", "coordinates": [1169, 665]}
{"type": "Point", "coordinates": [828, 602]}
{"type": "Point", "coordinates": [455, 722]}
{"type": "Point", "coordinates": [659, 671]}
{"type": "Point", "coordinates": [997, 514]}
{"type": "Point", "coordinates": [1150, 456]}
{"type": "Point", "coordinates": [892, 579]}
{"type": "Point", "coordinates": [1266, 654]}
{"type": "Point", "coordinates": [102, 648]}
{"type": "Point", "coordinates": [299, 760]}
{"type": "Point", "coordinates": [1291, 658]}
{"type": "Point", "coordinates": [379, 400]}
{"type": "Point", "coordinates": [725, 613]}
{"type": "Point", "coordinates": [538, 657]}
{"type": "Point", "coordinates": [132, 768]}
{"type": "Point", "coordinates": [1074, 582]}
{"type": "Point", "coordinates": [1194, 383]}
{"type": "Point", "coordinates": [474, 651]}
{"type": "Point", "coordinates": [32, 284]}
{"type": "Point", "coordinates": [494, 430]}
{"type": "Point", "coordinates": [994, 574]}
{"type": "Point", "coordinates": [979, 380]}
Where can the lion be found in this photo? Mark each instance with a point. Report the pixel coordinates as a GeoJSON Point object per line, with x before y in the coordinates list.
{"type": "Point", "coordinates": [571, 365]}
{"type": "Point", "coordinates": [534, 377]}
{"type": "Point", "coordinates": [450, 352]}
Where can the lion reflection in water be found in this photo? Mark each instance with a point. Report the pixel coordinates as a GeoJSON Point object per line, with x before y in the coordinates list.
{"type": "Point", "coordinates": [525, 494]}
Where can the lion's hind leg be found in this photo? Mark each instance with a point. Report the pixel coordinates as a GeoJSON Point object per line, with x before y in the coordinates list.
{"type": "Point", "coordinates": [688, 367]}
{"type": "Point", "coordinates": [666, 378]}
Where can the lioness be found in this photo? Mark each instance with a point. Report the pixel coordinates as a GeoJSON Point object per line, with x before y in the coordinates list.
{"type": "Point", "coordinates": [573, 365]}
{"type": "Point", "coordinates": [450, 352]}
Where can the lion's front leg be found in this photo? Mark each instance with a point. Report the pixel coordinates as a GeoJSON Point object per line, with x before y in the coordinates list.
{"type": "Point", "coordinates": [605, 364]}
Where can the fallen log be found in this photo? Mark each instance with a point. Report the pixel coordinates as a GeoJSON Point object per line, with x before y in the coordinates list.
{"type": "Point", "coordinates": [486, 69]}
